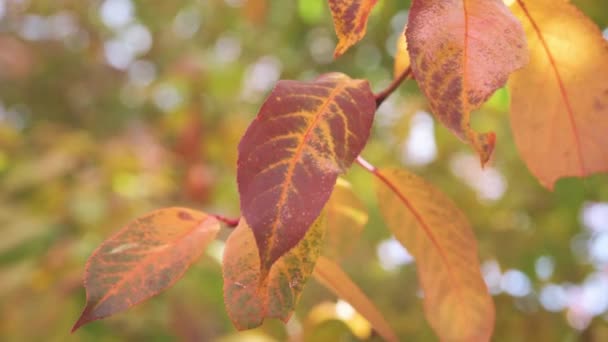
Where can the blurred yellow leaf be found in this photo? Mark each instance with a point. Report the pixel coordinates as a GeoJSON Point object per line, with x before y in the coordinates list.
{"type": "Point", "coordinates": [559, 102]}
{"type": "Point", "coordinates": [331, 275]}
{"type": "Point", "coordinates": [345, 217]}
{"type": "Point", "coordinates": [456, 300]}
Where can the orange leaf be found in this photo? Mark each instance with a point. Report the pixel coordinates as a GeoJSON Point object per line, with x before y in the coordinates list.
{"type": "Point", "coordinates": [305, 135]}
{"type": "Point", "coordinates": [248, 297]}
{"type": "Point", "coordinates": [456, 300]}
{"type": "Point", "coordinates": [461, 52]}
{"type": "Point", "coordinates": [144, 258]}
{"type": "Point", "coordinates": [402, 57]}
{"type": "Point", "coordinates": [350, 21]}
{"type": "Point", "coordinates": [559, 102]}
{"type": "Point", "coordinates": [333, 277]}
{"type": "Point", "coordinates": [345, 217]}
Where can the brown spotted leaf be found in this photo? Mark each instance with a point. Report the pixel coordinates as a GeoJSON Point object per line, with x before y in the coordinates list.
{"type": "Point", "coordinates": [331, 275]}
{"type": "Point", "coordinates": [559, 102]}
{"type": "Point", "coordinates": [144, 258]}
{"type": "Point", "coordinates": [345, 217]}
{"type": "Point", "coordinates": [304, 136]}
{"type": "Point", "coordinates": [461, 52]}
{"type": "Point", "coordinates": [456, 300]}
{"type": "Point", "coordinates": [249, 299]}
{"type": "Point", "coordinates": [350, 21]}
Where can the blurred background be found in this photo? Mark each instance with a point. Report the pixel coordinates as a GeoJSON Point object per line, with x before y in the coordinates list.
{"type": "Point", "coordinates": [112, 108]}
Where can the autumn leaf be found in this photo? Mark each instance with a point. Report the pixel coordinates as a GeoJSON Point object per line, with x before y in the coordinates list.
{"type": "Point", "coordinates": [559, 102]}
{"type": "Point", "coordinates": [331, 275]}
{"type": "Point", "coordinates": [248, 297]}
{"type": "Point", "coordinates": [305, 135]}
{"type": "Point", "coordinates": [402, 57]}
{"type": "Point", "coordinates": [461, 52]}
{"type": "Point", "coordinates": [456, 300]}
{"type": "Point", "coordinates": [144, 258]}
{"type": "Point", "coordinates": [350, 21]}
{"type": "Point", "coordinates": [345, 216]}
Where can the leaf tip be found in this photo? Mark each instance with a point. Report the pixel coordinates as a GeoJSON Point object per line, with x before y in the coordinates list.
{"type": "Point", "coordinates": [484, 144]}
{"type": "Point", "coordinates": [82, 320]}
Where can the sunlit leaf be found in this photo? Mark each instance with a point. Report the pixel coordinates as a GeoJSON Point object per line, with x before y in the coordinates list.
{"type": "Point", "coordinates": [456, 300]}
{"type": "Point", "coordinates": [350, 21]}
{"type": "Point", "coordinates": [333, 277]}
{"type": "Point", "coordinates": [248, 297]}
{"type": "Point", "coordinates": [305, 135]}
{"type": "Point", "coordinates": [145, 257]}
{"type": "Point", "coordinates": [559, 102]}
{"type": "Point", "coordinates": [345, 216]}
{"type": "Point", "coordinates": [461, 52]}
{"type": "Point", "coordinates": [402, 57]}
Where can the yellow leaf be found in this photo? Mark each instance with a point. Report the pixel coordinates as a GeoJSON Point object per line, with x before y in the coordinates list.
{"type": "Point", "coordinates": [559, 102]}
{"type": "Point", "coordinates": [333, 278]}
{"type": "Point", "coordinates": [345, 216]}
{"type": "Point", "coordinates": [402, 57]}
{"type": "Point", "coordinates": [456, 299]}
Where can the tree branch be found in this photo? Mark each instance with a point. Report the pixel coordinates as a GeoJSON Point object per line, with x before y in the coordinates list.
{"type": "Point", "coordinates": [381, 96]}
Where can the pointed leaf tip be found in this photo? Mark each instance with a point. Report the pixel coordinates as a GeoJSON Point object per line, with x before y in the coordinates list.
{"type": "Point", "coordinates": [350, 21]}
{"type": "Point", "coordinates": [144, 258]}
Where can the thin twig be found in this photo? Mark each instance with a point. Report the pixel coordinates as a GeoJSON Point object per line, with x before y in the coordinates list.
{"type": "Point", "coordinates": [381, 96]}
{"type": "Point", "coordinates": [230, 222]}
{"type": "Point", "coordinates": [365, 164]}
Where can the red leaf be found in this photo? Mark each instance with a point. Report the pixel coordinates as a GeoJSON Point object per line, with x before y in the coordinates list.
{"type": "Point", "coordinates": [145, 257]}
{"type": "Point", "coordinates": [305, 135]}
{"type": "Point", "coordinates": [461, 52]}
{"type": "Point", "coordinates": [350, 21]}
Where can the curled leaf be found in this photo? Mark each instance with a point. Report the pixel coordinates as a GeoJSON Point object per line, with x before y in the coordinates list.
{"type": "Point", "coordinates": [144, 258]}
{"type": "Point", "coordinates": [305, 135]}
{"type": "Point", "coordinates": [461, 52]}
{"type": "Point", "coordinates": [559, 102]}
{"type": "Point", "coordinates": [250, 298]}
{"type": "Point", "coordinates": [456, 300]}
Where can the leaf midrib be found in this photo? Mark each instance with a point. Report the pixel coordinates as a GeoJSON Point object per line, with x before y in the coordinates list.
{"type": "Point", "coordinates": [560, 83]}
{"type": "Point", "coordinates": [291, 168]}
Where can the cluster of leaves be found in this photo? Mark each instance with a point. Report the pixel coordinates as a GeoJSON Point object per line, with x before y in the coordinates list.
{"type": "Point", "coordinates": [306, 134]}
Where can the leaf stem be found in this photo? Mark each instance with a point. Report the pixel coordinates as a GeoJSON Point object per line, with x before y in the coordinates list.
{"type": "Point", "coordinates": [381, 96]}
{"type": "Point", "coordinates": [230, 222]}
{"type": "Point", "coordinates": [365, 164]}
